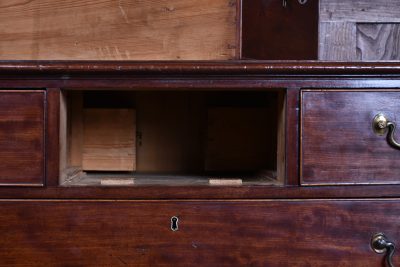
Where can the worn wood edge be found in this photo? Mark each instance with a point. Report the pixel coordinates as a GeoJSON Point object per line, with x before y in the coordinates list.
{"type": "Point", "coordinates": [199, 201]}
{"type": "Point", "coordinates": [281, 152]}
{"type": "Point", "coordinates": [198, 67]}
{"type": "Point", "coordinates": [239, 32]}
{"type": "Point", "coordinates": [52, 133]}
{"type": "Point", "coordinates": [292, 113]}
{"type": "Point", "coordinates": [203, 192]}
{"type": "Point", "coordinates": [23, 184]}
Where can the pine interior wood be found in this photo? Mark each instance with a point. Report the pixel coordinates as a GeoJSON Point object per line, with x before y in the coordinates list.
{"type": "Point", "coordinates": [118, 29]}
{"type": "Point", "coordinates": [171, 126]}
{"type": "Point", "coordinates": [174, 137]}
{"type": "Point", "coordinates": [281, 161]}
{"type": "Point", "coordinates": [237, 139]}
{"type": "Point", "coordinates": [109, 139]}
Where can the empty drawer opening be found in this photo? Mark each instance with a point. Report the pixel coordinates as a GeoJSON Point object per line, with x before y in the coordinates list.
{"type": "Point", "coordinates": [127, 138]}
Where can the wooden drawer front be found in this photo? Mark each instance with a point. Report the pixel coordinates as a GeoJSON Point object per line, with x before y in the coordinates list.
{"type": "Point", "coordinates": [338, 145]}
{"type": "Point", "coordinates": [22, 137]}
{"type": "Point", "coordinates": [253, 233]}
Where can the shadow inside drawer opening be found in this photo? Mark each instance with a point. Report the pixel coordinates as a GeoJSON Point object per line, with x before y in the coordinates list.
{"type": "Point", "coordinates": [128, 138]}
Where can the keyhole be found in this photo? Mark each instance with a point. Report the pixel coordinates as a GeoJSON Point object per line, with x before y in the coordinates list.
{"type": "Point", "coordinates": [174, 223]}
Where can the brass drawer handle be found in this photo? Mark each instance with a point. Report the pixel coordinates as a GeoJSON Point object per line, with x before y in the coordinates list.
{"type": "Point", "coordinates": [380, 244]}
{"type": "Point", "coordinates": [381, 124]}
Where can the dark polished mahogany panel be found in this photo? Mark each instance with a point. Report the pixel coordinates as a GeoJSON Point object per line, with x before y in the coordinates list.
{"type": "Point", "coordinates": [338, 143]}
{"type": "Point", "coordinates": [271, 31]}
{"type": "Point", "coordinates": [241, 233]}
{"type": "Point", "coordinates": [22, 137]}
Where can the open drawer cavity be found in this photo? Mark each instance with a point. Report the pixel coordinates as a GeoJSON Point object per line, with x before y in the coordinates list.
{"type": "Point", "coordinates": [126, 138]}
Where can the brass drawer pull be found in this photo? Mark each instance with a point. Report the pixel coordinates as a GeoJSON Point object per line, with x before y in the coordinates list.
{"type": "Point", "coordinates": [381, 124]}
{"type": "Point", "coordinates": [380, 244]}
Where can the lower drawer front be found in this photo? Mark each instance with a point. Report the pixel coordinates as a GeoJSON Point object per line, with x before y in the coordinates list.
{"type": "Point", "coordinates": [246, 233]}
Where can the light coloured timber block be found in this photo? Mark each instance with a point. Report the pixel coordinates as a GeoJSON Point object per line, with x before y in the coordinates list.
{"type": "Point", "coordinates": [117, 182]}
{"type": "Point", "coordinates": [225, 182]}
{"type": "Point", "coordinates": [337, 41]}
{"type": "Point", "coordinates": [118, 29]}
{"type": "Point", "coordinates": [109, 140]}
{"type": "Point", "coordinates": [359, 11]}
{"type": "Point", "coordinates": [378, 41]}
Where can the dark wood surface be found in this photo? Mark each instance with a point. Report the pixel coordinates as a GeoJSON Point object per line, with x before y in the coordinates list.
{"type": "Point", "coordinates": [184, 192]}
{"type": "Point", "coordinates": [22, 130]}
{"type": "Point", "coordinates": [303, 226]}
{"type": "Point", "coordinates": [237, 233]}
{"type": "Point", "coordinates": [52, 136]}
{"type": "Point", "coordinates": [291, 137]}
{"type": "Point", "coordinates": [271, 31]}
{"type": "Point", "coordinates": [338, 143]}
{"type": "Point", "coordinates": [243, 67]}
{"type": "Point", "coordinates": [194, 75]}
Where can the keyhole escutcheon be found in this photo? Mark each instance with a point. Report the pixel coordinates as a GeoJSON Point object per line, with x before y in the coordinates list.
{"type": "Point", "coordinates": [174, 223]}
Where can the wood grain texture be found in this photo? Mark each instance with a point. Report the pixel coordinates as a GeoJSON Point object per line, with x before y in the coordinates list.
{"type": "Point", "coordinates": [53, 131]}
{"type": "Point", "coordinates": [118, 29]}
{"type": "Point", "coordinates": [359, 30]}
{"type": "Point", "coordinates": [291, 136]}
{"type": "Point", "coordinates": [378, 41]}
{"type": "Point", "coordinates": [239, 139]}
{"type": "Point", "coordinates": [281, 138]}
{"type": "Point", "coordinates": [171, 125]}
{"type": "Point", "coordinates": [22, 129]}
{"type": "Point", "coordinates": [191, 74]}
{"type": "Point", "coordinates": [64, 146]}
{"type": "Point", "coordinates": [338, 143]}
{"type": "Point", "coordinates": [360, 10]}
{"type": "Point", "coordinates": [75, 118]}
{"type": "Point", "coordinates": [272, 32]}
{"type": "Point", "coordinates": [337, 41]}
{"type": "Point", "coordinates": [246, 233]}
{"type": "Point", "coordinates": [109, 139]}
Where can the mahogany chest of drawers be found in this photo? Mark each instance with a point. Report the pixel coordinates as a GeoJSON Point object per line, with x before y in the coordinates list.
{"type": "Point", "coordinates": [199, 163]}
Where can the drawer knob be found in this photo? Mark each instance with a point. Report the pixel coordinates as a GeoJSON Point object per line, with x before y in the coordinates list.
{"type": "Point", "coordinates": [381, 124]}
{"type": "Point", "coordinates": [380, 244]}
